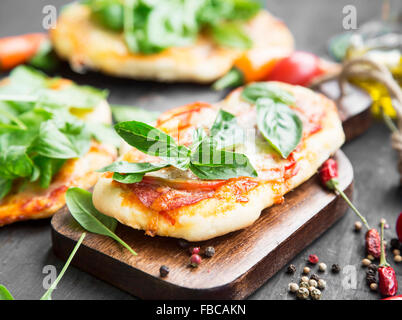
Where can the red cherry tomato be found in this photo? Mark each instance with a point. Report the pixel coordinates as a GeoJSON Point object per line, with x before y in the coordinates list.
{"type": "Point", "coordinates": [297, 69]}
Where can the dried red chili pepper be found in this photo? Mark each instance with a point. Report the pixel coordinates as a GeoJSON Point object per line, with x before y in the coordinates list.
{"type": "Point", "coordinates": [373, 243]}
{"type": "Point", "coordinates": [329, 178]}
{"type": "Point", "coordinates": [386, 274]}
{"type": "Point", "coordinates": [399, 227]}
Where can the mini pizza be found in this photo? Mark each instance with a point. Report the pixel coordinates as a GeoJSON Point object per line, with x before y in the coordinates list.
{"type": "Point", "coordinates": [280, 134]}
{"type": "Point", "coordinates": [180, 40]}
{"type": "Point", "coordinates": [50, 132]}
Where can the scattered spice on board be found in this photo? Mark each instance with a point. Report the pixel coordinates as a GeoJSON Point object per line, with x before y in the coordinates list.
{"type": "Point", "coordinates": [164, 271]}
{"type": "Point", "coordinates": [195, 260]}
{"type": "Point", "coordinates": [209, 252]}
{"type": "Point", "coordinates": [183, 243]}
{"type": "Point", "coordinates": [195, 250]}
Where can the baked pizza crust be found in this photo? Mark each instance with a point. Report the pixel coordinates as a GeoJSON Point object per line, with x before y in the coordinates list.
{"type": "Point", "coordinates": [85, 44]}
{"type": "Point", "coordinates": [217, 216]}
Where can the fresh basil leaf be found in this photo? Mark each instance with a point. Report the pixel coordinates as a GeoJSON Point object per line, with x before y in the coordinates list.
{"type": "Point", "coordinates": [234, 165]}
{"type": "Point", "coordinates": [199, 136]}
{"type": "Point", "coordinates": [79, 202]}
{"type": "Point", "coordinates": [255, 91]}
{"type": "Point", "coordinates": [5, 187]}
{"type": "Point", "coordinates": [128, 172]}
{"type": "Point", "coordinates": [48, 293]}
{"type": "Point", "coordinates": [128, 177]}
{"type": "Point", "coordinates": [5, 294]}
{"type": "Point", "coordinates": [154, 142]}
{"type": "Point", "coordinates": [130, 167]}
{"type": "Point", "coordinates": [15, 163]}
{"type": "Point", "coordinates": [279, 125]}
{"type": "Point", "coordinates": [231, 35]}
{"type": "Point", "coordinates": [225, 131]}
{"type": "Point", "coordinates": [209, 163]}
{"type": "Point", "coordinates": [52, 143]}
{"type": "Point", "coordinates": [126, 113]}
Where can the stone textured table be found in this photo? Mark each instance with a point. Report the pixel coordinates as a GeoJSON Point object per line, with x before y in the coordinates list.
{"type": "Point", "coordinates": [25, 248]}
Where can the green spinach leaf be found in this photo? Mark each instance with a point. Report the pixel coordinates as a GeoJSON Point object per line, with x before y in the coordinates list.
{"type": "Point", "coordinates": [79, 202]}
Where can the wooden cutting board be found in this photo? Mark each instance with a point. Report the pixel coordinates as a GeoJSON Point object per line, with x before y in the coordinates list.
{"type": "Point", "coordinates": [244, 259]}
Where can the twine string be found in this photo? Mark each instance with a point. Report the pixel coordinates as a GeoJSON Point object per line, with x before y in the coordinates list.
{"type": "Point", "coordinates": [366, 69]}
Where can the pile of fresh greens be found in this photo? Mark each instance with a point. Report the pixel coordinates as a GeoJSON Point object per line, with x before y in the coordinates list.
{"type": "Point", "coordinates": [38, 130]}
{"type": "Point", "coordinates": [211, 157]}
{"type": "Point", "coordinates": [151, 26]}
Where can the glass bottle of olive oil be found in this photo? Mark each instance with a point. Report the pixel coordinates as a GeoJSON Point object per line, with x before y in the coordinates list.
{"type": "Point", "coordinates": [390, 57]}
{"type": "Point", "coordinates": [381, 41]}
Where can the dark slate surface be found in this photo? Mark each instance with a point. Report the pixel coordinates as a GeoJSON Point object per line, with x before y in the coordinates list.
{"type": "Point", "coordinates": [25, 248]}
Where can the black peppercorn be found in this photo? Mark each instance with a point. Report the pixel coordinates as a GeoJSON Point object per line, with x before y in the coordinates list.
{"type": "Point", "coordinates": [395, 244]}
{"type": "Point", "coordinates": [371, 272]}
{"type": "Point", "coordinates": [209, 252]}
{"type": "Point", "coordinates": [183, 244]}
{"type": "Point", "coordinates": [373, 267]}
{"type": "Point", "coordinates": [291, 269]}
{"type": "Point", "coordinates": [164, 271]}
{"type": "Point", "coordinates": [335, 268]}
{"type": "Point", "coordinates": [315, 277]}
{"type": "Point", "coordinates": [371, 279]}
